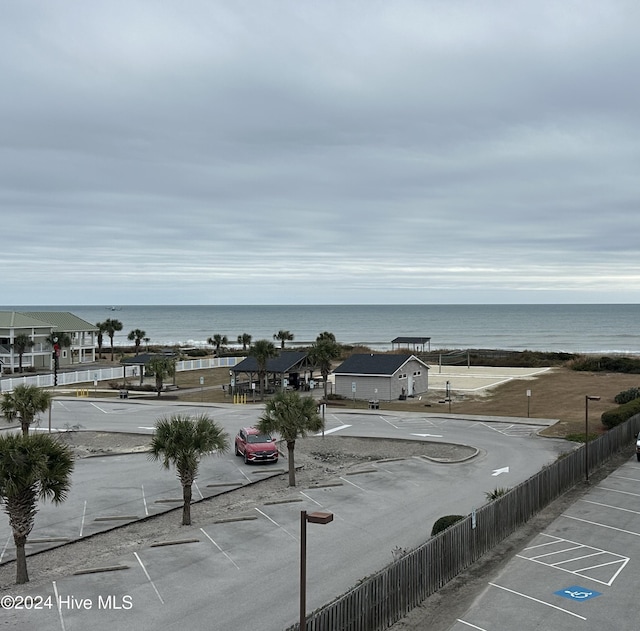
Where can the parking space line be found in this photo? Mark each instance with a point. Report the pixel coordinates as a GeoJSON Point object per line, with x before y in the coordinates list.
{"type": "Point", "coordinates": [310, 498]}
{"type": "Point", "coordinates": [144, 502]}
{"type": "Point", "coordinates": [352, 484]}
{"type": "Point", "coordinates": [473, 626]}
{"type": "Point", "coordinates": [618, 560]}
{"type": "Point", "coordinates": [206, 534]}
{"type": "Point", "coordinates": [273, 521]}
{"type": "Point", "coordinates": [144, 569]}
{"type": "Point", "coordinates": [4, 548]}
{"type": "Point", "coordinates": [595, 523]}
{"type": "Point", "coordinates": [624, 510]}
{"type": "Point", "coordinates": [84, 513]}
{"type": "Point", "coordinates": [332, 430]}
{"type": "Point", "coordinates": [244, 474]}
{"type": "Point", "coordinates": [59, 605]}
{"type": "Point", "coordinates": [541, 602]}
{"type": "Point", "coordinates": [604, 488]}
{"type": "Point", "coordinates": [199, 491]}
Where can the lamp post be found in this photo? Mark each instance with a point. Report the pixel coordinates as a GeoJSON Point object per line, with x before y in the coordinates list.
{"type": "Point", "coordinates": [587, 398]}
{"type": "Point", "coordinates": [313, 518]}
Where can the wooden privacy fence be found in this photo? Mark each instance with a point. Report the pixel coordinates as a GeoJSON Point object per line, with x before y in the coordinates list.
{"type": "Point", "coordinates": [385, 597]}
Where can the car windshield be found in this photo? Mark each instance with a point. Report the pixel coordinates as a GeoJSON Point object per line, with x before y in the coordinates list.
{"type": "Point", "coordinates": [258, 438]}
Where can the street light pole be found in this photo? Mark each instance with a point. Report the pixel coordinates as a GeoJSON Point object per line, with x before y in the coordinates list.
{"type": "Point", "coordinates": [586, 434]}
{"type": "Point", "coordinates": [313, 518]}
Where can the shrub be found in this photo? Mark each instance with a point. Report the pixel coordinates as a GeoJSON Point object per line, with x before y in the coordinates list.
{"type": "Point", "coordinates": [496, 493]}
{"type": "Point", "coordinates": [611, 418]}
{"type": "Point", "coordinates": [627, 395]}
{"type": "Point", "coordinates": [607, 364]}
{"type": "Point", "coordinates": [444, 522]}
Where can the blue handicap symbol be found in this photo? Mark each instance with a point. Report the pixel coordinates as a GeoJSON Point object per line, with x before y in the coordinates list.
{"type": "Point", "coordinates": [575, 592]}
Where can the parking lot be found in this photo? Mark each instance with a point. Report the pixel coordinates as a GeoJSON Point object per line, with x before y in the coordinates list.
{"type": "Point", "coordinates": [581, 572]}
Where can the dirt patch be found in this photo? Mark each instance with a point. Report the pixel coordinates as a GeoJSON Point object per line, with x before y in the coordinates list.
{"type": "Point", "coordinates": [86, 443]}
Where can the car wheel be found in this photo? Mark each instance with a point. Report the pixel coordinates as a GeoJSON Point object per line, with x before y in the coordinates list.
{"type": "Point", "coordinates": [237, 451]}
{"type": "Point", "coordinates": [246, 459]}
{"type": "Point", "coordinates": [638, 456]}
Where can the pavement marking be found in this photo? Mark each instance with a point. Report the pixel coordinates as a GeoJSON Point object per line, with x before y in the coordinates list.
{"type": "Point", "coordinates": [99, 408]}
{"type": "Point", "coordinates": [624, 510]}
{"type": "Point", "coordinates": [623, 477]}
{"type": "Point", "coordinates": [58, 602]}
{"type": "Point", "coordinates": [244, 474]}
{"type": "Point", "coordinates": [590, 552]}
{"type": "Point", "coordinates": [199, 491]}
{"type": "Point", "coordinates": [144, 569]}
{"type": "Point", "coordinates": [84, 513]}
{"type": "Point", "coordinates": [332, 430]}
{"type": "Point", "coordinates": [389, 422]}
{"type": "Point", "coordinates": [219, 548]}
{"type": "Point", "coordinates": [473, 626]}
{"type": "Point", "coordinates": [144, 501]}
{"type": "Point", "coordinates": [310, 498]}
{"type": "Point", "coordinates": [542, 602]}
{"type": "Point", "coordinates": [352, 484]}
{"type": "Point", "coordinates": [273, 521]}
{"type": "Point", "coordinates": [604, 488]}
{"type": "Point", "coordinates": [4, 548]}
{"type": "Point", "coordinates": [595, 523]}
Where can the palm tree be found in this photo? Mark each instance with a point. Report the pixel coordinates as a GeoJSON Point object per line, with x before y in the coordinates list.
{"type": "Point", "coordinates": [25, 403]}
{"type": "Point", "coordinates": [322, 354]}
{"type": "Point", "coordinates": [161, 367]}
{"type": "Point", "coordinates": [245, 340]}
{"type": "Point", "coordinates": [61, 340]}
{"type": "Point", "coordinates": [218, 341]}
{"type": "Point", "coordinates": [21, 343]}
{"type": "Point", "coordinates": [31, 468]}
{"type": "Point", "coordinates": [110, 328]}
{"type": "Point", "coordinates": [136, 336]}
{"type": "Point", "coordinates": [181, 441]}
{"type": "Point", "coordinates": [283, 336]}
{"type": "Point", "coordinates": [291, 416]}
{"type": "Point", "coordinates": [326, 335]}
{"type": "Point", "coordinates": [263, 351]}
{"type": "Point", "coordinates": [101, 331]}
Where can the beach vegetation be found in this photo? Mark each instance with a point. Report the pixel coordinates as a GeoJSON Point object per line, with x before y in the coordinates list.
{"type": "Point", "coordinates": [21, 344]}
{"type": "Point", "coordinates": [136, 336]}
{"type": "Point", "coordinates": [263, 351]}
{"type": "Point", "coordinates": [181, 441]}
{"type": "Point", "coordinates": [24, 404]}
{"type": "Point", "coordinates": [32, 468]}
{"type": "Point", "coordinates": [326, 335]}
{"type": "Point", "coordinates": [292, 416]}
{"type": "Point", "coordinates": [245, 340]}
{"type": "Point", "coordinates": [283, 336]}
{"type": "Point", "coordinates": [111, 327]}
{"type": "Point", "coordinates": [219, 342]}
{"type": "Point", "coordinates": [604, 363]}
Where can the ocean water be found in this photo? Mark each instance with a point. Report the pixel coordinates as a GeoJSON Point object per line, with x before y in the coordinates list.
{"type": "Point", "coordinates": [596, 328]}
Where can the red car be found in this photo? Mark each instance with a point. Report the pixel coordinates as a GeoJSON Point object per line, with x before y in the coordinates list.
{"type": "Point", "coordinates": [256, 446]}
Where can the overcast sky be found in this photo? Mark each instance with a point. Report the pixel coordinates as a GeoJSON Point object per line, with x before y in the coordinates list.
{"type": "Point", "coordinates": [298, 151]}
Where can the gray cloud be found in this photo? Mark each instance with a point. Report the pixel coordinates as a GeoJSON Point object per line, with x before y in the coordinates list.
{"type": "Point", "coordinates": [235, 152]}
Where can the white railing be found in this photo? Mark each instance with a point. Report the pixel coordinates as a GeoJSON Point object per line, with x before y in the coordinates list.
{"type": "Point", "coordinates": [89, 375]}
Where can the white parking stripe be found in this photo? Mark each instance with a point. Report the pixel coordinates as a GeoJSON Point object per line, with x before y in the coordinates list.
{"type": "Point", "coordinates": [58, 603]}
{"type": "Point", "coordinates": [217, 546]}
{"type": "Point", "coordinates": [273, 521]}
{"type": "Point", "coordinates": [144, 569]}
{"type": "Point", "coordinates": [542, 602]}
{"type": "Point", "coordinates": [333, 429]}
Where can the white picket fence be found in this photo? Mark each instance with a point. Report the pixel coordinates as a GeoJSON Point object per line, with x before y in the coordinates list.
{"type": "Point", "coordinates": [89, 375]}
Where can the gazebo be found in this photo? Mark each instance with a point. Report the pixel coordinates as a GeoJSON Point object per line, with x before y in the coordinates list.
{"type": "Point", "coordinates": [412, 343]}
